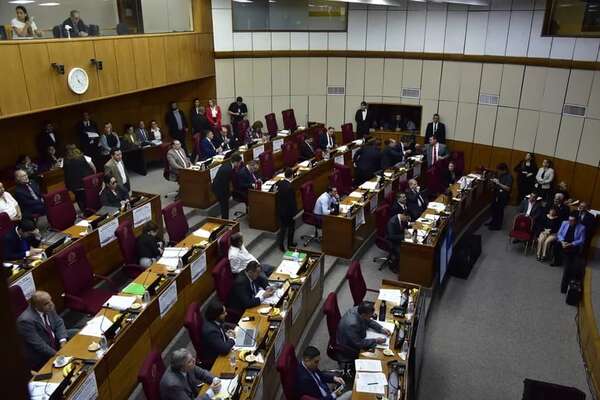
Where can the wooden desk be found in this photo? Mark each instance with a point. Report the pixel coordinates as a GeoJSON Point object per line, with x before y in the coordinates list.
{"type": "Point", "coordinates": [410, 325]}
{"type": "Point", "coordinates": [419, 262]}
{"type": "Point", "coordinates": [104, 260]}
{"type": "Point", "coordinates": [195, 185]}
{"type": "Point", "coordinates": [137, 160]}
{"type": "Point", "coordinates": [116, 372]}
{"type": "Point", "coordinates": [303, 300]}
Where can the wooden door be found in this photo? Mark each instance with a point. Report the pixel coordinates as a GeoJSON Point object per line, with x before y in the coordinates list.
{"type": "Point", "coordinates": [108, 79]}
{"type": "Point", "coordinates": [39, 75]}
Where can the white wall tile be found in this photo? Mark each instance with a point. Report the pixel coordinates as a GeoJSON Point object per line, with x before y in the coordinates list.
{"type": "Point", "coordinates": [317, 76]}
{"type": "Point", "coordinates": [376, 26]}
{"type": "Point", "coordinates": [527, 125]}
{"type": "Point", "coordinates": [518, 33]}
{"type": "Point", "coordinates": [373, 77]}
{"type": "Point", "coordinates": [280, 103]}
{"type": "Point", "coordinates": [593, 109]}
{"type": "Point", "coordinates": [280, 40]}
{"type": "Point", "coordinates": [261, 40]}
{"type": "Point", "coordinates": [470, 80]}
{"type": "Point", "coordinates": [357, 29]}
{"type": "Point", "coordinates": [590, 143]}
{"type": "Point", "coordinates": [317, 40]}
{"type": "Point", "coordinates": [434, 31]}
{"type": "Point", "coordinates": [540, 4]}
{"type": "Point", "coordinates": [300, 106]}
{"type": "Point", "coordinates": [562, 48]}
{"type": "Point", "coordinates": [317, 108]}
{"type": "Point", "coordinates": [430, 81]}
{"type": "Point", "coordinates": [450, 82]}
{"type": "Point", "coordinates": [497, 32]}
{"type": "Point", "coordinates": [299, 76]}
{"type": "Point", "coordinates": [299, 41]}
{"type": "Point", "coordinates": [281, 77]}
{"type": "Point", "coordinates": [243, 77]}
{"type": "Point", "coordinates": [491, 79]}
{"type": "Point", "coordinates": [392, 77]}
{"type": "Point", "coordinates": [352, 104]}
{"type": "Point", "coordinates": [458, 7]}
{"type": "Point", "coordinates": [242, 41]}
{"type": "Point", "coordinates": [586, 49]}
{"type": "Point", "coordinates": [355, 77]}
{"type": "Point", "coordinates": [261, 107]}
{"type": "Point", "coordinates": [337, 40]}
{"type": "Point", "coordinates": [336, 72]}
{"type": "Point", "coordinates": [222, 30]}
{"type": "Point", "coordinates": [395, 30]}
{"type": "Point", "coordinates": [456, 28]}
{"type": "Point", "coordinates": [534, 83]}
{"type": "Point", "coordinates": [510, 89]}
{"type": "Point", "coordinates": [465, 122]}
{"type": "Point", "coordinates": [502, 5]}
{"type": "Point", "coordinates": [538, 46]}
{"type": "Point", "coordinates": [476, 32]}
{"type": "Point", "coordinates": [547, 133]}
{"type": "Point", "coordinates": [225, 78]}
{"type": "Point", "coordinates": [506, 124]}
{"type": "Point", "coordinates": [429, 107]}
{"type": "Point", "coordinates": [416, 6]}
{"type": "Point", "coordinates": [411, 73]}
{"type": "Point", "coordinates": [485, 124]}
{"type": "Point", "coordinates": [447, 111]}
{"type": "Point", "coordinates": [578, 90]}
{"type": "Point", "coordinates": [436, 6]}
{"type": "Point", "coordinates": [335, 111]}
{"type": "Point", "coordinates": [261, 77]}
{"type": "Point", "coordinates": [522, 5]}
{"type": "Point", "coordinates": [554, 91]}
{"type": "Point", "coordinates": [569, 136]}
{"type": "Point", "coordinates": [415, 30]}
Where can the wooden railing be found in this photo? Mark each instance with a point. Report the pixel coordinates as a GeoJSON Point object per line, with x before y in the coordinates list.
{"type": "Point", "coordinates": [589, 338]}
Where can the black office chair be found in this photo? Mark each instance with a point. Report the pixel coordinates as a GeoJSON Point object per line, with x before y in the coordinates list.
{"type": "Point", "coordinates": [122, 28]}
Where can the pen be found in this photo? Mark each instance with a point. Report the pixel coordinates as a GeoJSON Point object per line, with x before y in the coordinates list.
{"type": "Point", "coordinates": [372, 383]}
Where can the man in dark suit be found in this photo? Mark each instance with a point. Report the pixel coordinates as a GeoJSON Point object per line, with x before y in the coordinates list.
{"type": "Point", "coordinates": [28, 195]}
{"type": "Point", "coordinates": [247, 177]}
{"type": "Point", "coordinates": [48, 137]}
{"type": "Point", "coordinates": [218, 337]}
{"type": "Point", "coordinates": [42, 330]}
{"type": "Point", "coordinates": [416, 200]}
{"type": "Point", "coordinates": [183, 378]}
{"type": "Point", "coordinates": [307, 151]}
{"type": "Point", "coordinates": [400, 206]}
{"type": "Point", "coordinates": [286, 209]}
{"type": "Point", "coordinates": [562, 209]}
{"type": "Point", "coordinates": [395, 235]}
{"type": "Point", "coordinates": [78, 28]}
{"type": "Point", "coordinates": [531, 206]}
{"type": "Point", "coordinates": [436, 128]}
{"type": "Point", "coordinates": [246, 287]}
{"type": "Point", "coordinates": [177, 124]}
{"type": "Point", "coordinates": [435, 151]}
{"type": "Point", "coordinates": [569, 243]}
{"type": "Point", "coordinates": [391, 154]}
{"type": "Point", "coordinates": [367, 161]}
{"type": "Point", "coordinates": [221, 184]}
{"type": "Point", "coordinates": [586, 218]}
{"type": "Point", "coordinates": [207, 146]}
{"type": "Point", "coordinates": [89, 135]}
{"type": "Point", "coordinates": [200, 123]}
{"type": "Point", "coordinates": [113, 195]}
{"type": "Point", "coordinates": [311, 381]}
{"type": "Point", "coordinates": [22, 241]}
{"type": "Point", "coordinates": [327, 139]}
{"type": "Point", "coordinates": [149, 244]}
{"type": "Point", "coordinates": [142, 134]}
{"type": "Point", "coordinates": [223, 140]}
{"type": "Point", "coordinates": [352, 329]}
{"type": "Point", "coordinates": [363, 119]}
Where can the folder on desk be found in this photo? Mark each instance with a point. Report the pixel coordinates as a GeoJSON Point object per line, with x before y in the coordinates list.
{"type": "Point", "coordinates": [134, 288]}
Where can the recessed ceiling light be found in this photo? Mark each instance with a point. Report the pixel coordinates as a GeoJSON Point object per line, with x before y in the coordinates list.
{"type": "Point", "coordinates": [49, 4]}
{"type": "Point", "coordinates": [21, 1]}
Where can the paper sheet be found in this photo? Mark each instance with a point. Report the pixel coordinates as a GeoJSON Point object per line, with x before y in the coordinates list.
{"type": "Point", "coordinates": [96, 326]}
{"type": "Point", "coordinates": [202, 233]}
{"type": "Point", "coordinates": [169, 262]}
{"type": "Point", "coordinates": [273, 299]}
{"type": "Point", "coordinates": [119, 303]}
{"type": "Point", "coordinates": [370, 382]}
{"type": "Point", "coordinates": [369, 185]}
{"type": "Point", "coordinates": [83, 223]}
{"type": "Point", "coordinates": [277, 145]}
{"type": "Point", "coordinates": [198, 267]}
{"type": "Point", "coordinates": [368, 365]}
{"type": "Point", "coordinates": [167, 299]}
{"type": "Point", "coordinates": [106, 233]}
{"type": "Point", "coordinates": [41, 390]}
{"type": "Point", "coordinates": [390, 295]}
{"type": "Point", "coordinates": [376, 335]}
{"type": "Point", "coordinates": [356, 194]}
{"type": "Point", "coordinates": [174, 252]}
{"type": "Point", "coordinates": [304, 164]}
{"type": "Point", "coordinates": [288, 267]}
{"type": "Point", "coordinates": [27, 285]}
{"type": "Point", "coordinates": [339, 159]}
{"type": "Point", "coordinates": [228, 387]}
{"type": "Point", "coordinates": [257, 151]}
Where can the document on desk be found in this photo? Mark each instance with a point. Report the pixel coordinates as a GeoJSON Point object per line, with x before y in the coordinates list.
{"type": "Point", "coordinates": [169, 262]}
{"type": "Point", "coordinates": [273, 299]}
{"type": "Point", "coordinates": [106, 233]}
{"type": "Point", "coordinates": [174, 252]}
{"type": "Point", "coordinates": [203, 233]}
{"type": "Point", "coordinates": [96, 326]}
{"type": "Point", "coordinates": [167, 299]}
{"type": "Point", "coordinates": [356, 195]}
{"type": "Point", "coordinates": [370, 382]}
{"type": "Point", "coordinates": [304, 164]}
{"type": "Point", "coordinates": [288, 267]}
{"type": "Point", "coordinates": [390, 295]}
{"type": "Point", "coordinates": [142, 214]}
{"type": "Point", "coordinates": [198, 267]}
{"type": "Point", "coordinates": [27, 285]}
{"type": "Point", "coordinates": [119, 303]}
{"type": "Point", "coordinates": [257, 151]}
{"type": "Point", "coordinates": [365, 365]}
{"type": "Point", "coordinates": [41, 390]}
{"type": "Point", "coordinates": [277, 145]}
{"type": "Point", "coordinates": [228, 387]}
{"type": "Point", "coordinates": [371, 334]}
{"type": "Point", "coordinates": [369, 185]}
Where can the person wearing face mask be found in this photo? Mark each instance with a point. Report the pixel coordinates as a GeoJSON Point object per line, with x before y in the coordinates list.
{"type": "Point", "coordinates": [416, 200]}
{"type": "Point", "coordinates": [21, 242]}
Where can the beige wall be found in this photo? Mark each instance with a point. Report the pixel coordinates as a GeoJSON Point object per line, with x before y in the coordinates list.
{"type": "Point", "coordinates": [528, 117]}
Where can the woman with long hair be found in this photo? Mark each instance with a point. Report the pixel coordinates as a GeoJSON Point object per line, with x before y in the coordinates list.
{"type": "Point", "coordinates": [23, 26]}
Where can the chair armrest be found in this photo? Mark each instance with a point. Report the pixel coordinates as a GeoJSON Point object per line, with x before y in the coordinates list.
{"type": "Point", "coordinates": [372, 290]}
{"type": "Point", "coordinates": [107, 280]}
{"type": "Point", "coordinates": [75, 299]}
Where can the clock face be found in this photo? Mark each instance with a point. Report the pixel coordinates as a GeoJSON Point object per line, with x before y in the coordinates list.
{"type": "Point", "coordinates": [78, 80]}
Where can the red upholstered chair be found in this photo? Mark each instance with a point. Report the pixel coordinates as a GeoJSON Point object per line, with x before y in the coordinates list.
{"type": "Point", "coordinates": [336, 352]}
{"type": "Point", "coordinates": [356, 281]}
{"type": "Point", "coordinates": [59, 209]}
{"type": "Point", "coordinates": [434, 178]}
{"type": "Point", "coordinates": [389, 198]}
{"type": "Point", "coordinates": [346, 176]}
{"type": "Point", "coordinates": [309, 198]}
{"type": "Point", "coordinates": [290, 153]}
{"type": "Point", "coordinates": [223, 279]}
{"type": "Point", "coordinates": [224, 243]}
{"type": "Point", "coordinates": [458, 158]}
{"type": "Point", "coordinates": [347, 133]}
{"type": "Point", "coordinates": [78, 281]}
{"type": "Point", "coordinates": [335, 181]}
{"type": "Point", "coordinates": [5, 226]}
{"type": "Point", "coordinates": [193, 322]}
{"type": "Point", "coordinates": [271, 121]}
{"type": "Point", "coordinates": [126, 239]}
{"type": "Point", "coordinates": [289, 120]}
{"type": "Point", "coordinates": [150, 374]}
{"type": "Point", "coordinates": [175, 221]}
{"type": "Point", "coordinates": [522, 230]}
{"type": "Point", "coordinates": [286, 366]}
{"type": "Point", "coordinates": [18, 302]}
{"type": "Point", "coordinates": [403, 186]}
{"type": "Point", "coordinates": [382, 216]}
{"type": "Point", "coordinates": [241, 127]}
{"type": "Point", "coordinates": [92, 184]}
{"type": "Point", "coordinates": [267, 165]}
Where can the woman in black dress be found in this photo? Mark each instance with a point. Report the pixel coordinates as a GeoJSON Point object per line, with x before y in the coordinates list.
{"type": "Point", "coordinates": [76, 167]}
{"type": "Point", "coordinates": [525, 172]}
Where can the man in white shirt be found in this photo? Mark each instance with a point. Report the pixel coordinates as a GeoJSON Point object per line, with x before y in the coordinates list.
{"type": "Point", "coordinates": [9, 205]}
{"type": "Point", "coordinates": [239, 257]}
{"type": "Point", "coordinates": [116, 167]}
{"type": "Point", "coordinates": [325, 203]}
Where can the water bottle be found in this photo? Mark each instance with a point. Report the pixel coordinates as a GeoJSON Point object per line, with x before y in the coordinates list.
{"type": "Point", "coordinates": [145, 298]}
{"type": "Point", "coordinates": [232, 359]}
{"type": "Point", "coordinates": [296, 256]}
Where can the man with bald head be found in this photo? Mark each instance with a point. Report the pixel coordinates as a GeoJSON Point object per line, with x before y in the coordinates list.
{"type": "Point", "coordinates": [28, 195]}
{"type": "Point", "coordinates": [42, 330]}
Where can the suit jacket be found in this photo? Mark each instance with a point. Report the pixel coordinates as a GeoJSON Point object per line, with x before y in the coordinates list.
{"type": "Point", "coordinates": [579, 237]}
{"type": "Point", "coordinates": [242, 295]}
{"type": "Point", "coordinates": [306, 385]}
{"type": "Point", "coordinates": [221, 184]}
{"type": "Point", "coordinates": [219, 141]}
{"type": "Point", "coordinates": [39, 346]}
{"type": "Point", "coordinates": [208, 148]}
{"type": "Point", "coordinates": [84, 139]}
{"type": "Point", "coordinates": [143, 136]}
{"type": "Point", "coordinates": [111, 168]}
{"type": "Point", "coordinates": [588, 220]}
{"type": "Point", "coordinates": [147, 246]}
{"type": "Point", "coordinates": [440, 133]}
{"type": "Point", "coordinates": [563, 211]}
{"type": "Point", "coordinates": [537, 211]}
{"type": "Point", "coordinates": [544, 178]}
{"type": "Point", "coordinates": [323, 141]}
{"type": "Point", "coordinates": [363, 125]}
{"type": "Point", "coordinates": [246, 179]}
{"type": "Point", "coordinates": [448, 179]}
{"type": "Point", "coordinates": [75, 169]}
{"type": "Point", "coordinates": [286, 200]}
{"type": "Point", "coordinates": [395, 230]}
{"type": "Point", "coordinates": [176, 163]}
{"type": "Point", "coordinates": [306, 151]}
{"type": "Point", "coordinates": [390, 156]}
{"type": "Point", "coordinates": [176, 386]}
{"type": "Point", "coordinates": [110, 199]}
{"type": "Point", "coordinates": [29, 204]}
{"type": "Point", "coordinates": [215, 341]}
{"type": "Point", "coordinates": [398, 208]}
{"type": "Point", "coordinates": [367, 159]}
{"type": "Point", "coordinates": [13, 247]}
{"type": "Point", "coordinates": [199, 122]}
{"type": "Point", "coordinates": [352, 331]}
{"type": "Point", "coordinates": [442, 153]}
{"type": "Point", "coordinates": [412, 201]}
{"type": "Point", "coordinates": [45, 141]}
{"type": "Point", "coordinates": [172, 124]}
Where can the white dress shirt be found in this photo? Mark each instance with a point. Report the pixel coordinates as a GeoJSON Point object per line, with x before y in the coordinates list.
{"type": "Point", "coordinates": [121, 169]}
{"type": "Point", "coordinates": [324, 204]}
{"type": "Point", "coordinates": [435, 126]}
{"type": "Point", "coordinates": [239, 258]}
{"type": "Point", "coordinates": [529, 208]}
{"type": "Point", "coordinates": [364, 114]}
{"type": "Point", "coordinates": [8, 205]}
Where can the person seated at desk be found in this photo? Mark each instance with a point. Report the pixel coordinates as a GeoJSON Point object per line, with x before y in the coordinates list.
{"type": "Point", "coordinates": [326, 203]}
{"type": "Point", "coordinates": [23, 26]}
{"type": "Point", "coordinates": [130, 139]}
{"type": "Point", "coordinates": [549, 225]}
{"type": "Point", "coordinates": [223, 140]}
{"type": "Point", "coordinates": [218, 336]}
{"type": "Point", "coordinates": [207, 146]}
{"type": "Point", "coordinates": [109, 140]}
{"type": "Point", "coordinates": [367, 161]}
{"type": "Point", "coordinates": [307, 151]}
{"type": "Point", "coordinates": [21, 242]}
{"type": "Point", "coordinates": [311, 381]}
{"type": "Point", "coordinates": [155, 133]}
{"type": "Point", "coordinates": [559, 203]}
{"type": "Point", "coordinates": [570, 240]}
{"type": "Point", "coordinates": [352, 329]}
{"type": "Point", "coordinates": [9, 205]}
{"type": "Point", "coordinates": [183, 378]}
{"type": "Point", "coordinates": [28, 195]}
{"type": "Point", "coordinates": [77, 27]}
{"type": "Point", "coordinates": [43, 331]}
{"type": "Point", "coordinates": [531, 206]}
{"type": "Point", "coordinates": [246, 286]}
{"type": "Point", "coordinates": [256, 132]}
{"type": "Point", "coordinates": [391, 154]}
{"type": "Point", "coordinates": [400, 206]}
{"type": "Point", "coordinates": [563, 189]}
{"type": "Point", "coordinates": [327, 139]}
{"type": "Point", "coordinates": [142, 134]}
{"type": "Point", "coordinates": [415, 199]}
{"type": "Point", "coordinates": [116, 167]}
{"type": "Point", "coordinates": [24, 163]}
{"type": "Point", "coordinates": [50, 160]}
{"type": "Point", "coordinates": [89, 135]}
{"type": "Point", "coordinates": [148, 244]}
{"type": "Point", "coordinates": [435, 151]}
{"type": "Point", "coordinates": [248, 178]}
{"type": "Point", "coordinates": [239, 257]}
{"type": "Point", "coordinates": [113, 195]}
{"type": "Point", "coordinates": [177, 160]}
{"type": "Point", "coordinates": [451, 176]}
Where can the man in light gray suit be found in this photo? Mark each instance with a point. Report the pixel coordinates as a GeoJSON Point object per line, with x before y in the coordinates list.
{"type": "Point", "coordinates": [352, 329]}
{"type": "Point", "coordinates": [177, 160]}
{"type": "Point", "coordinates": [183, 378]}
{"type": "Point", "coordinates": [435, 151]}
{"type": "Point", "coordinates": [42, 329]}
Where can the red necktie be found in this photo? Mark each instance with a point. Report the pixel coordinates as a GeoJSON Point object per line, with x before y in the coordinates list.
{"type": "Point", "coordinates": [434, 154]}
{"type": "Point", "coordinates": [49, 332]}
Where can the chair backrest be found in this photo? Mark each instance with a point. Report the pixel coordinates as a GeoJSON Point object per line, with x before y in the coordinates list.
{"type": "Point", "coordinates": [224, 243]}
{"type": "Point", "coordinates": [356, 281]}
{"type": "Point", "coordinates": [290, 153]}
{"type": "Point", "coordinates": [289, 120]}
{"type": "Point", "coordinates": [335, 180]}
{"type": "Point", "coordinates": [175, 221]}
{"type": "Point", "coordinates": [59, 209]}
{"type": "Point", "coordinates": [309, 197]}
{"type": "Point", "coordinates": [92, 184]}
{"type": "Point", "coordinates": [287, 364]}
{"type": "Point", "coordinates": [193, 322]}
{"type": "Point", "coordinates": [347, 133]}
{"type": "Point", "coordinates": [346, 176]}
{"type": "Point", "coordinates": [333, 317]}
{"type": "Point", "coordinates": [271, 121]}
{"type": "Point", "coordinates": [267, 164]}
{"type": "Point", "coordinates": [5, 226]}
{"type": "Point", "coordinates": [522, 223]}
{"type": "Point", "coordinates": [18, 302]}
{"type": "Point", "coordinates": [458, 158]}
{"type": "Point", "coordinates": [126, 238]}
{"type": "Point", "coordinates": [196, 139]}
{"type": "Point", "coordinates": [150, 374]}
{"type": "Point", "coordinates": [389, 198]}
{"type": "Point", "coordinates": [75, 270]}
{"type": "Point", "coordinates": [223, 279]}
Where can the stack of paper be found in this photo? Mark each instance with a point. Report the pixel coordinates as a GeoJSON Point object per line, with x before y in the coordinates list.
{"type": "Point", "coordinates": [274, 298]}
{"type": "Point", "coordinates": [376, 335]}
{"type": "Point", "coordinates": [96, 326]}
{"type": "Point", "coordinates": [342, 149]}
{"type": "Point", "coordinates": [438, 207]}
{"type": "Point", "coordinates": [370, 382]}
{"type": "Point", "coordinates": [433, 217]}
{"type": "Point", "coordinates": [83, 223]}
{"type": "Point", "coordinates": [369, 185]}
{"type": "Point", "coordinates": [357, 141]}
{"type": "Point", "coordinates": [169, 262]}
{"type": "Point", "coordinates": [356, 194]}
{"type": "Point", "coordinates": [283, 132]}
{"type": "Point", "coordinates": [368, 365]}
{"type": "Point", "coordinates": [304, 164]}
{"type": "Point", "coordinates": [344, 208]}
{"type": "Point", "coordinates": [175, 252]}
{"type": "Point", "coordinates": [119, 303]}
{"type": "Point", "coordinates": [390, 295]}
{"type": "Point", "coordinates": [202, 233]}
{"type": "Point", "coordinates": [288, 267]}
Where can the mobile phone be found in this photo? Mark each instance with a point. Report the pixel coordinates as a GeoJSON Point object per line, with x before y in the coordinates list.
{"type": "Point", "coordinates": [246, 319]}
{"type": "Point", "coordinates": [42, 377]}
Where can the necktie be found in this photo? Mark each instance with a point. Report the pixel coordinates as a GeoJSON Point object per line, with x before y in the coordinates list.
{"type": "Point", "coordinates": [253, 288]}
{"type": "Point", "coordinates": [144, 137]}
{"type": "Point", "coordinates": [434, 157]}
{"type": "Point", "coordinates": [435, 127]}
{"type": "Point", "coordinates": [32, 192]}
{"type": "Point", "coordinates": [49, 332]}
{"type": "Point", "coordinates": [543, 173]}
{"type": "Point", "coordinates": [320, 383]}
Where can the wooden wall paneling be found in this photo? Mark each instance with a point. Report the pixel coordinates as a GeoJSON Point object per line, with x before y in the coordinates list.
{"type": "Point", "coordinates": [563, 171]}
{"type": "Point", "coordinates": [158, 64]}
{"type": "Point", "coordinates": [14, 97]}
{"type": "Point", "coordinates": [466, 148]}
{"type": "Point", "coordinates": [186, 50]}
{"type": "Point", "coordinates": [143, 69]}
{"type": "Point", "coordinates": [596, 192]}
{"type": "Point", "coordinates": [39, 76]}
{"type": "Point", "coordinates": [500, 155]}
{"type": "Point", "coordinates": [126, 65]}
{"type": "Point", "coordinates": [584, 183]}
{"type": "Point", "coordinates": [515, 157]}
{"type": "Point", "coordinates": [481, 156]}
{"type": "Point", "coordinates": [108, 78]}
{"type": "Point", "coordinates": [171, 52]}
{"type": "Point", "coordinates": [202, 16]}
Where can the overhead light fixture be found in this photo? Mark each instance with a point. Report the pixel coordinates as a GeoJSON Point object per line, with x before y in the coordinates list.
{"type": "Point", "coordinates": [50, 4]}
{"type": "Point", "coordinates": [22, 1]}
{"type": "Point", "coordinates": [243, 1]}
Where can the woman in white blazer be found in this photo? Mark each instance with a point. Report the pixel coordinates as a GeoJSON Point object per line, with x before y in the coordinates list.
{"type": "Point", "coordinates": [543, 180]}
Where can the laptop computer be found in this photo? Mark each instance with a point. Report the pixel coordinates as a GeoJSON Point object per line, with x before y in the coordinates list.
{"type": "Point", "coordinates": [245, 337]}
{"type": "Point", "coordinates": [50, 250]}
{"type": "Point", "coordinates": [111, 332]}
